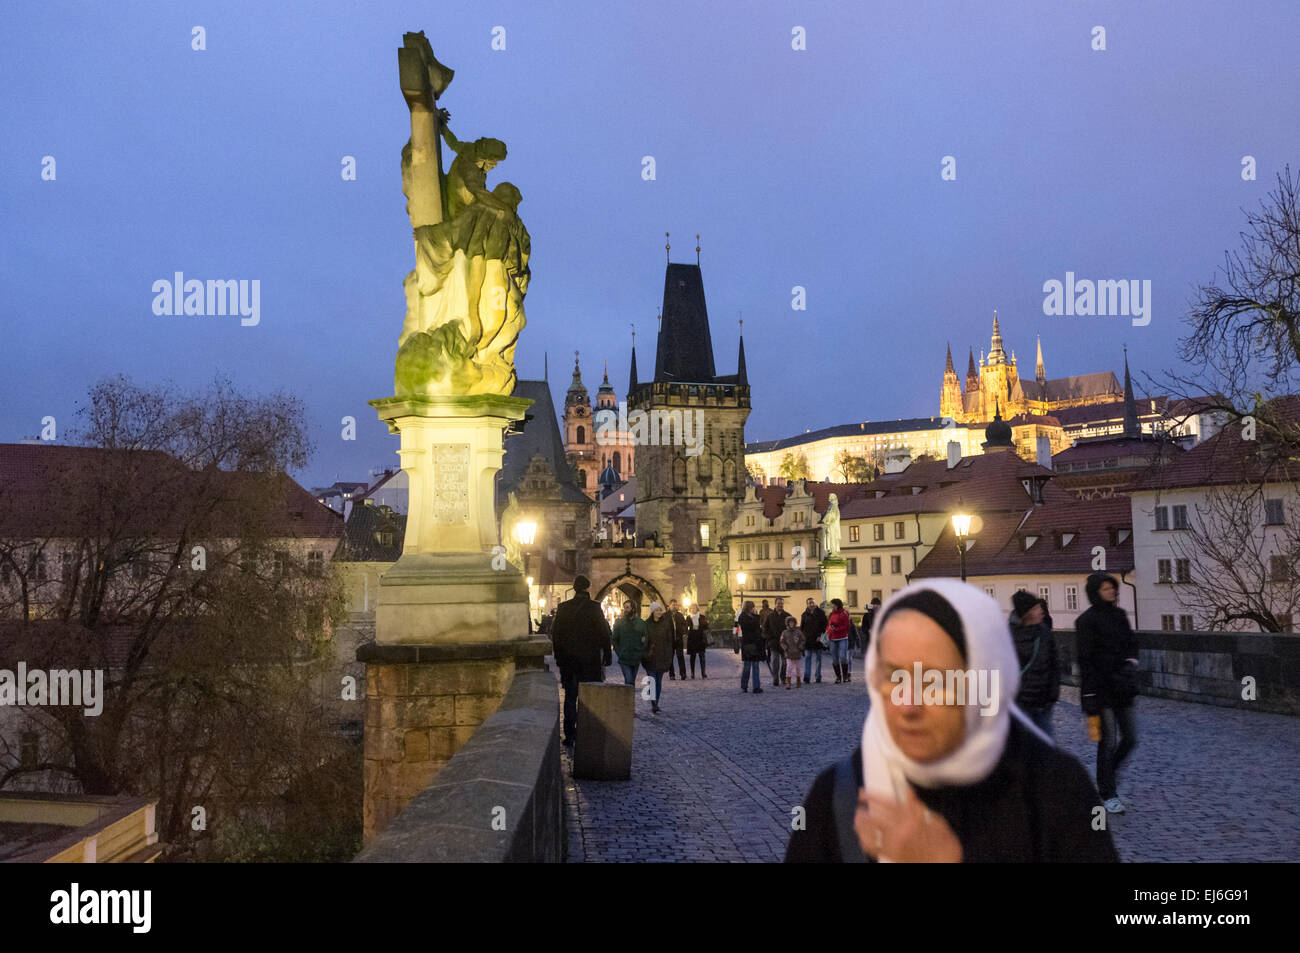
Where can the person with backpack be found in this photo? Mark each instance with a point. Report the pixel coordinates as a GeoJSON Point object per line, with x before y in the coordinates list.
{"type": "Point", "coordinates": [837, 630]}
{"type": "Point", "coordinates": [753, 649]}
{"type": "Point", "coordinates": [941, 776]}
{"type": "Point", "coordinates": [1108, 682]}
{"type": "Point", "coordinates": [1040, 671]}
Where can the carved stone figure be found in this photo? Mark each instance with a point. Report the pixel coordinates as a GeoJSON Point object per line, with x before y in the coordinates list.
{"type": "Point", "coordinates": [465, 297]}
{"type": "Point", "coordinates": [831, 529]}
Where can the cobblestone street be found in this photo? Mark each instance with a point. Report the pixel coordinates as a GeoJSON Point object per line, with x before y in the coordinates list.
{"type": "Point", "coordinates": [716, 774]}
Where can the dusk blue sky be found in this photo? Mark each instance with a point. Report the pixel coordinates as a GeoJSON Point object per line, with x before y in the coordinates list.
{"type": "Point", "coordinates": [818, 168]}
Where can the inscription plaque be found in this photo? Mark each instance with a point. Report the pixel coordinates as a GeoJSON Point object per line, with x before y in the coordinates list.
{"type": "Point", "coordinates": [451, 484]}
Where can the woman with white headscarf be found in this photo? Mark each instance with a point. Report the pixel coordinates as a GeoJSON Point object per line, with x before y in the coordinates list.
{"type": "Point", "coordinates": [949, 769]}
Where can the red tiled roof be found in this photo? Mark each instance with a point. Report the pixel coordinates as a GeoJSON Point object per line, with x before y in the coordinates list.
{"type": "Point", "coordinates": [774, 497]}
{"type": "Point", "coordinates": [58, 491]}
{"type": "Point", "coordinates": [985, 483]}
{"type": "Point", "coordinates": [1227, 458]}
{"type": "Point", "coordinates": [998, 547]}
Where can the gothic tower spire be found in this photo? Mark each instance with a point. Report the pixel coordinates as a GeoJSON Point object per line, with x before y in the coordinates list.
{"type": "Point", "coordinates": [1131, 426]}
{"type": "Point", "coordinates": [1040, 372]}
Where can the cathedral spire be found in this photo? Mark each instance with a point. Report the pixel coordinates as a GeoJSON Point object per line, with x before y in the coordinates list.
{"type": "Point", "coordinates": [631, 377]}
{"type": "Point", "coordinates": [996, 354]}
{"type": "Point", "coordinates": [742, 376]}
{"type": "Point", "coordinates": [1131, 426]}
{"type": "Point", "coordinates": [1040, 372]}
{"type": "Point", "coordinates": [972, 375]}
{"type": "Point", "coordinates": [948, 369]}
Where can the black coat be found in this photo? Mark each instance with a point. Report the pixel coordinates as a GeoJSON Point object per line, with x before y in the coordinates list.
{"type": "Point", "coordinates": [1040, 682]}
{"type": "Point", "coordinates": [1106, 642]}
{"type": "Point", "coordinates": [752, 646]}
{"type": "Point", "coordinates": [1035, 807]}
{"type": "Point", "coordinates": [580, 638]}
{"type": "Point", "coordinates": [680, 625]}
{"type": "Point", "coordinates": [697, 638]}
{"type": "Point", "coordinates": [868, 618]}
{"type": "Point", "coordinates": [813, 624]}
{"type": "Point", "coordinates": [773, 626]}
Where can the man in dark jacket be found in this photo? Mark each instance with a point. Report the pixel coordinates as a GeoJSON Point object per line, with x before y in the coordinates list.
{"type": "Point", "coordinates": [1040, 672]}
{"type": "Point", "coordinates": [773, 626]}
{"type": "Point", "coordinates": [678, 622]}
{"type": "Point", "coordinates": [581, 644]}
{"type": "Point", "coordinates": [1108, 675]}
{"type": "Point", "coordinates": [868, 619]}
{"type": "Point", "coordinates": [813, 624]}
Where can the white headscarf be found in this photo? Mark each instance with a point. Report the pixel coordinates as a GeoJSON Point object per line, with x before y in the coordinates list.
{"type": "Point", "coordinates": [656, 607]}
{"type": "Point", "coordinates": [989, 646]}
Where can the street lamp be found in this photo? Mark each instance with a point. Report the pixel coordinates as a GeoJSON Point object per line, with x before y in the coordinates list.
{"type": "Point", "coordinates": [740, 581]}
{"type": "Point", "coordinates": [525, 533]}
{"type": "Point", "coordinates": [961, 529]}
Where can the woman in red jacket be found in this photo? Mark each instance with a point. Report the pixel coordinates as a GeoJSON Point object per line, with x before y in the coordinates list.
{"type": "Point", "coordinates": [837, 630]}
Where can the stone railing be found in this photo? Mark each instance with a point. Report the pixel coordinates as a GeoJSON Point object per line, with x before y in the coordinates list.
{"type": "Point", "coordinates": [1211, 667]}
{"type": "Point", "coordinates": [500, 798]}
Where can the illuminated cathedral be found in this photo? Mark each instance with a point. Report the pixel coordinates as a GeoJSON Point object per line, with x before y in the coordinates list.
{"type": "Point", "coordinates": [995, 386]}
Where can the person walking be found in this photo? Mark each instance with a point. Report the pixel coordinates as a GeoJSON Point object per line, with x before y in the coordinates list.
{"type": "Point", "coordinates": [813, 626]}
{"type": "Point", "coordinates": [1108, 676]}
{"type": "Point", "coordinates": [697, 638]}
{"type": "Point", "coordinates": [1040, 671]}
{"type": "Point", "coordinates": [962, 777]}
{"type": "Point", "coordinates": [753, 649]}
{"type": "Point", "coordinates": [764, 612]}
{"type": "Point", "coordinates": [869, 619]}
{"type": "Point", "coordinates": [629, 641]}
{"type": "Point", "coordinates": [772, 629]}
{"type": "Point", "coordinates": [837, 631]}
{"type": "Point", "coordinates": [679, 640]}
{"type": "Point", "coordinates": [792, 649]}
{"type": "Point", "coordinates": [658, 655]}
{"type": "Point", "coordinates": [580, 640]}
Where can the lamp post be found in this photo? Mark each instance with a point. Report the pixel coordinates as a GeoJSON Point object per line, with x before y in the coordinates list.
{"type": "Point", "coordinates": [740, 581]}
{"type": "Point", "coordinates": [525, 533]}
{"type": "Point", "coordinates": [961, 529]}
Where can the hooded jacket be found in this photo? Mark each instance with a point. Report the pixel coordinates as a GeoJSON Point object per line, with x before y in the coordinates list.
{"type": "Point", "coordinates": [1106, 644]}
{"type": "Point", "coordinates": [1040, 670]}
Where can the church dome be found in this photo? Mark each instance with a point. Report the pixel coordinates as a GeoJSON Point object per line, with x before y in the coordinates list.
{"type": "Point", "coordinates": [998, 432]}
{"type": "Point", "coordinates": [609, 476]}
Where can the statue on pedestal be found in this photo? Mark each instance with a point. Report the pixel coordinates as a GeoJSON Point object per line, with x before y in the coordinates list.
{"type": "Point", "coordinates": [465, 297]}
{"type": "Point", "coordinates": [831, 529]}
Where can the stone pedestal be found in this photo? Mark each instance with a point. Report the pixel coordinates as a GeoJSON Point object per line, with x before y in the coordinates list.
{"type": "Point", "coordinates": [603, 750]}
{"type": "Point", "coordinates": [834, 578]}
{"type": "Point", "coordinates": [450, 586]}
{"type": "Point", "coordinates": [422, 704]}
{"type": "Point", "coordinates": [451, 617]}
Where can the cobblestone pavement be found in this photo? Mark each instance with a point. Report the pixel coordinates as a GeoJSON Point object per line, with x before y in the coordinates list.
{"type": "Point", "coordinates": [716, 774]}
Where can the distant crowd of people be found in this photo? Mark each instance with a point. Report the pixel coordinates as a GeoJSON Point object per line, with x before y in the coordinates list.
{"type": "Point", "coordinates": [952, 779]}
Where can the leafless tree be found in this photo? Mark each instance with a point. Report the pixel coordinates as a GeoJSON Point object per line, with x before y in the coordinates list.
{"type": "Point", "coordinates": [165, 563]}
{"type": "Point", "coordinates": [1239, 566]}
